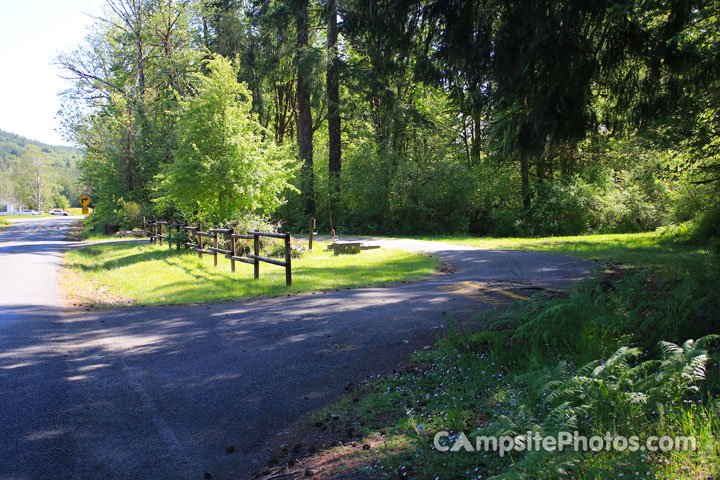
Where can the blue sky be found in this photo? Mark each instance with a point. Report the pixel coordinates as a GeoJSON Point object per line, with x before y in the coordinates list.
{"type": "Point", "coordinates": [32, 33]}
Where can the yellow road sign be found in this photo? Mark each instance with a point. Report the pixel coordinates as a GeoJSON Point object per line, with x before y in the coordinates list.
{"type": "Point", "coordinates": [85, 210]}
{"type": "Point", "coordinates": [84, 200]}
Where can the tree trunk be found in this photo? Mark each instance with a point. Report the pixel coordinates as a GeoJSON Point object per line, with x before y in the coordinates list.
{"type": "Point", "coordinates": [375, 112]}
{"type": "Point", "coordinates": [333, 95]}
{"type": "Point", "coordinates": [304, 117]}
{"type": "Point", "coordinates": [140, 47]}
{"type": "Point", "coordinates": [544, 167]}
{"type": "Point", "coordinates": [38, 187]}
{"type": "Point", "coordinates": [525, 180]}
{"type": "Point", "coordinates": [129, 148]}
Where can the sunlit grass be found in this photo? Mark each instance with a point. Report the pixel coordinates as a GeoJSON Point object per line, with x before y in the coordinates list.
{"type": "Point", "coordinates": [154, 275]}
{"type": "Point", "coordinates": [652, 249]}
{"type": "Point", "coordinates": [99, 236]}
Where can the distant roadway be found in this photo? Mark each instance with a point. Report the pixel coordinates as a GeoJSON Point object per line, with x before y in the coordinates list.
{"type": "Point", "coordinates": [159, 393]}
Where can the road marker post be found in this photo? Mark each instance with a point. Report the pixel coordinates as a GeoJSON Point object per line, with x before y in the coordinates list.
{"type": "Point", "coordinates": [311, 233]}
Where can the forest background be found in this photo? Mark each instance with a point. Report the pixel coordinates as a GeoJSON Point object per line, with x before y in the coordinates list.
{"type": "Point", "coordinates": [491, 118]}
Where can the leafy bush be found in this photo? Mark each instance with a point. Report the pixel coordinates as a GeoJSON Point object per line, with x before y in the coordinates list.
{"type": "Point", "coordinates": [224, 164]}
{"type": "Point", "coordinates": [62, 202]}
{"type": "Point", "coordinates": [506, 223]}
{"type": "Point", "coordinates": [560, 209]}
{"type": "Point", "coordinates": [269, 246]}
{"type": "Point", "coordinates": [130, 216]}
{"type": "Point", "coordinates": [707, 228]}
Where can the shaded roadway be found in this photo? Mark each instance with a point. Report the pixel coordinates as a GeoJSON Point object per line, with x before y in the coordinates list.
{"type": "Point", "coordinates": [161, 392]}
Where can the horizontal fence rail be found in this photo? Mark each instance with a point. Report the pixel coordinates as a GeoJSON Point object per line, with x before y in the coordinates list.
{"type": "Point", "coordinates": [157, 231]}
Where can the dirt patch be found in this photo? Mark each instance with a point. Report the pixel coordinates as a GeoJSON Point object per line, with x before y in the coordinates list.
{"type": "Point", "coordinates": [80, 295]}
{"type": "Point", "coordinates": [444, 268]}
{"type": "Point", "coordinates": [339, 461]}
{"type": "Point", "coordinates": [613, 272]}
{"type": "Point", "coordinates": [326, 446]}
{"type": "Point", "coordinates": [75, 232]}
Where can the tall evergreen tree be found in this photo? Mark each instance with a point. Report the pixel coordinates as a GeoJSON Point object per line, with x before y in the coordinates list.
{"type": "Point", "coordinates": [333, 98]}
{"type": "Point", "coordinates": [304, 109]}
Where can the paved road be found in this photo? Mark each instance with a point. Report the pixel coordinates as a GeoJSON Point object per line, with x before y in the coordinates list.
{"type": "Point", "coordinates": [161, 392]}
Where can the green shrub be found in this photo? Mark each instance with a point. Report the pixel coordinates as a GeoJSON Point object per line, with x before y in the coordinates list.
{"type": "Point", "coordinates": [707, 228]}
{"type": "Point", "coordinates": [506, 223]}
{"type": "Point", "coordinates": [560, 208]}
{"type": "Point", "coordinates": [62, 202]}
{"type": "Point", "coordinates": [130, 216]}
{"type": "Point", "coordinates": [224, 162]}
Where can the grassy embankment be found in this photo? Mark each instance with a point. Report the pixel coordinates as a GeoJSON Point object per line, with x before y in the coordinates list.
{"type": "Point", "coordinates": [142, 274]}
{"type": "Point", "coordinates": [591, 361]}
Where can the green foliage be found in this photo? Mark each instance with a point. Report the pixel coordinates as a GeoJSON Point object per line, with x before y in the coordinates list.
{"type": "Point", "coordinates": [57, 167]}
{"type": "Point", "coordinates": [13, 147]}
{"type": "Point", "coordinates": [128, 76]}
{"type": "Point", "coordinates": [561, 209]}
{"type": "Point", "coordinates": [223, 165]}
{"type": "Point", "coordinates": [61, 202]}
{"type": "Point", "coordinates": [489, 118]}
{"type": "Point", "coordinates": [130, 216]}
{"type": "Point", "coordinates": [708, 228]}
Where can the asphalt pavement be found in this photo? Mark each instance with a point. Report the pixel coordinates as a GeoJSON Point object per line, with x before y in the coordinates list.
{"type": "Point", "coordinates": [161, 392]}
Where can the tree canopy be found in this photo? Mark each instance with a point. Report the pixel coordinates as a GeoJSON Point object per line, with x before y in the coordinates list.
{"type": "Point", "coordinates": [223, 163]}
{"type": "Point", "coordinates": [415, 116]}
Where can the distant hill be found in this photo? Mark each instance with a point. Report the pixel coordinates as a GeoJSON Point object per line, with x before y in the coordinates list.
{"type": "Point", "coordinates": [61, 162]}
{"type": "Point", "coordinates": [13, 146]}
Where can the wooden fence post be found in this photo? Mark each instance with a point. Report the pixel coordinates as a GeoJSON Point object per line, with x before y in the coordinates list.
{"type": "Point", "coordinates": [170, 224]}
{"type": "Point", "coordinates": [144, 227]}
{"type": "Point", "coordinates": [154, 230]}
{"type": "Point", "coordinates": [160, 228]}
{"type": "Point", "coordinates": [288, 256]}
{"type": "Point", "coordinates": [199, 239]}
{"type": "Point", "coordinates": [311, 233]}
{"type": "Point", "coordinates": [256, 250]}
{"type": "Point", "coordinates": [232, 250]}
{"type": "Point", "coordinates": [217, 245]}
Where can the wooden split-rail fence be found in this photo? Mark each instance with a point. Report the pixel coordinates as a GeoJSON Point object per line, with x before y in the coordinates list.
{"type": "Point", "coordinates": [159, 231]}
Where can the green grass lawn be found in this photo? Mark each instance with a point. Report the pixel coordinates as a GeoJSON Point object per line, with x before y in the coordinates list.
{"type": "Point", "coordinates": [74, 211]}
{"type": "Point", "coordinates": [145, 274]}
{"type": "Point", "coordinates": [648, 249]}
{"type": "Point", "coordinates": [91, 236]}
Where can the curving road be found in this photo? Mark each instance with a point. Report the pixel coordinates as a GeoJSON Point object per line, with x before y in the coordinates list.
{"type": "Point", "coordinates": [161, 392]}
